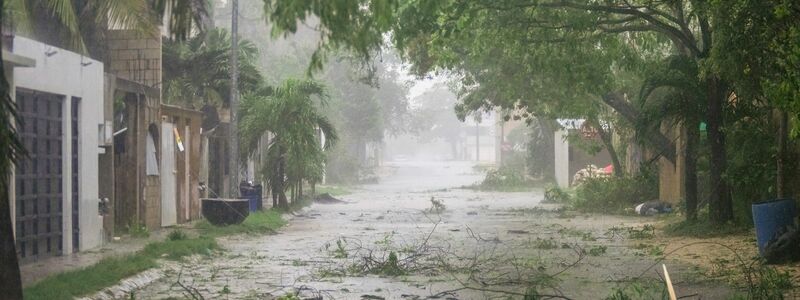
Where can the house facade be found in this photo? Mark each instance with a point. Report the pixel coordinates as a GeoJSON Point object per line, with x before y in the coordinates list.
{"type": "Point", "coordinates": [55, 192]}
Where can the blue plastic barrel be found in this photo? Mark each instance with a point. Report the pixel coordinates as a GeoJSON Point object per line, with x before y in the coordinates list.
{"type": "Point", "coordinates": [249, 193]}
{"type": "Point", "coordinates": [770, 218]}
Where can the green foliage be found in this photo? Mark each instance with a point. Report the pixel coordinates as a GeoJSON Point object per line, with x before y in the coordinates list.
{"type": "Point", "coordinates": [107, 272]}
{"type": "Point", "coordinates": [771, 284]}
{"type": "Point", "coordinates": [639, 289]}
{"type": "Point", "coordinates": [262, 222]}
{"type": "Point", "coordinates": [137, 230]}
{"type": "Point", "coordinates": [508, 177]}
{"type": "Point", "coordinates": [702, 228]}
{"type": "Point", "coordinates": [339, 251]}
{"type": "Point", "coordinates": [554, 194]}
{"type": "Point", "coordinates": [197, 71]}
{"type": "Point", "coordinates": [391, 266]}
{"type": "Point", "coordinates": [292, 113]}
{"type": "Point", "coordinates": [615, 194]}
{"type": "Point", "coordinates": [597, 250]}
{"type": "Point", "coordinates": [645, 232]}
{"type": "Point", "coordinates": [80, 25]}
{"type": "Point", "coordinates": [545, 244]}
{"type": "Point", "coordinates": [177, 235]}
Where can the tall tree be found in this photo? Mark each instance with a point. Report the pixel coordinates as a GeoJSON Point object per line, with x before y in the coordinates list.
{"type": "Point", "coordinates": [197, 71]}
{"type": "Point", "coordinates": [427, 26]}
{"type": "Point", "coordinates": [290, 112]}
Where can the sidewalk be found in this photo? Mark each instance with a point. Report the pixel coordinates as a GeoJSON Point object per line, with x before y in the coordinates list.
{"type": "Point", "coordinates": [38, 270]}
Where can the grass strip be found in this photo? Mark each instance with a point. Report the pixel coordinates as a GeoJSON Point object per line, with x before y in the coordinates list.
{"type": "Point", "coordinates": [256, 223]}
{"type": "Point", "coordinates": [109, 271]}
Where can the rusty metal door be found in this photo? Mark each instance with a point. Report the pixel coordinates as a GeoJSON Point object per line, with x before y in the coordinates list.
{"type": "Point", "coordinates": [169, 206]}
{"type": "Point", "coordinates": [39, 189]}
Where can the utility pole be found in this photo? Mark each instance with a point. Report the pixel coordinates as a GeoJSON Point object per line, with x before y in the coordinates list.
{"type": "Point", "coordinates": [233, 141]}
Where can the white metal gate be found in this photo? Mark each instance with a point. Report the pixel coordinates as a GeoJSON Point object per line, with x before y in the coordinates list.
{"type": "Point", "coordinates": [169, 208]}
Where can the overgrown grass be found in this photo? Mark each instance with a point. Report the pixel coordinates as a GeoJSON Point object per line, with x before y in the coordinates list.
{"type": "Point", "coordinates": [107, 272]}
{"type": "Point", "coordinates": [110, 271]}
{"type": "Point", "coordinates": [256, 223]}
{"type": "Point", "coordinates": [506, 179]}
{"type": "Point", "coordinates": [616, 195]}
{"type": "Point", "coordinates": [702, 228]}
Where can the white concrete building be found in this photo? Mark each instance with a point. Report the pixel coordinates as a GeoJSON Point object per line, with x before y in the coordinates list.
{"type": "Point", "coordinates": [55, 190]}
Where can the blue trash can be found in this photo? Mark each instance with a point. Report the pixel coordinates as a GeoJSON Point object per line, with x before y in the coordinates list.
{"type": "Point", "coordinates": [250, 193]}
{"type": "Point", "coordinates": [770, 217]}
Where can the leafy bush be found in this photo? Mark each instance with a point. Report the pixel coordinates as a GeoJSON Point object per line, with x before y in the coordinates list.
{"type": "Point", "coordinates": [177, 235]}
{"type": "Point", "coordinates": [615, 194]}
{"type": "Point", "coordinates": [137, 230]}
{"type": "Point", "coordinates": [505, 178]}
{"type": "Point", "coordinates": [554, 194]}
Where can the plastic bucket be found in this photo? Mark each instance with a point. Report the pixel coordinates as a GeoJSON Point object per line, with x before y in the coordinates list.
{"type": "Point", "coordinates": [771, 217]}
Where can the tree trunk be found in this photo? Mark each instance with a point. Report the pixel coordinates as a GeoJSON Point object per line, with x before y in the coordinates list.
{"type": "Point", "coordinates": [605, 136]}
{"type": "Point", "coordinates": [274, 196]}
{"type": "Point", "coordinates": [720, 205]}
{"type": "Point", "coordinates": [281, 175]}
{"type": "Point", "coordinates": [10, 280]}
{"type": "Point", "coordinates": [660, 143]}
{"type": "Point", "coordinates": [690, 169]}
{"type": "Point", "coordinates": [780, 176]}
{"type": "Point", "coordinates": [300, 189]}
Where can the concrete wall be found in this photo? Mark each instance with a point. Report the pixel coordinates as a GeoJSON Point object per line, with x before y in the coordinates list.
{"type": "Point", "coordinates": [561, 158]}
{"type": "Point", "coordinates": [72, 75]}
{"type": "Point", "coordinates": [135, 56]}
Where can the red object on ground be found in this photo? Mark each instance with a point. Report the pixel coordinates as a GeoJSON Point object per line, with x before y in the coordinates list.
{"type": "Point", "coordinates": [609, 169]}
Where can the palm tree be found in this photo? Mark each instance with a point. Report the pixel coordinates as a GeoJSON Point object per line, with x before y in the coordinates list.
{"type": "Point", "coordinates": [10, 149]}
{"type": "Point", "coordinates": [295, 154]}
{"type": "Point", "coordinates": [81, 25]}
{"type": "Point", "coordinates": [198, 69]}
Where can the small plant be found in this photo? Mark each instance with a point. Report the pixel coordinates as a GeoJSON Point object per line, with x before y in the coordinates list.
{"type": "Point", "coordinates": [554, 194]}
{"type": "Point", "coordinates": [340, 251]}
{"type": "Point", "coordinates": [391, 267]}
{"type": "Point", "coordinates": [598, 250]}
{"type": "Point", "coordinates": [771, 284]}
{"type": "Point", "coordinates": [646, 232]}
{"type": "Point", "coordinates": [437, 206]}
{"type": "Point", "coordinates": [225, 290]}
{"type": "Point", "coordinates": [137, 230]}
{"type": "Point", "coordinates": [299, 263]}
{"type": "Point", "coordinates": [656, 251]}
{"type": "Point", "coordinates": [177, 235]}
{"type": "Point", "coordinates": [289, 296]}
{"type": "Point", "coordinates": [545, 244]}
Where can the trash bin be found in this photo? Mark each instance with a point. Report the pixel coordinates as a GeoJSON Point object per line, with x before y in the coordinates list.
{"type": "Point", "coordinates": [770, 218]}
{"type": "Point", "coordinates": [252, 194]}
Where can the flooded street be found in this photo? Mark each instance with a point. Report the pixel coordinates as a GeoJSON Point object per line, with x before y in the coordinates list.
{"type": "Point", "coordinates": [476, 245]}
